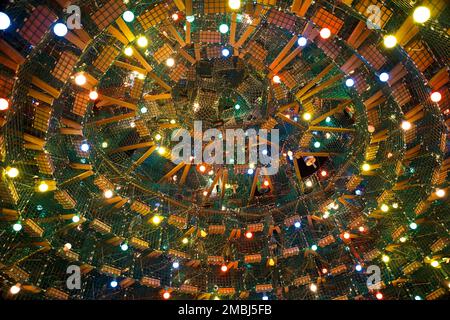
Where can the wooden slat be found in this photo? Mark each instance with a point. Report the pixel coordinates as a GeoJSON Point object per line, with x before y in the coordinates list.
{"type": "Point", "coordinates": [330, 129]}
{"type": "Point", "coordinates": [114, 118]}
{"type": "Point", "coordinates": [130, 67]}
{"type": "Point", "coordinates": [138, 162]}
{"type": "Point", "coordinates": [118, 102]}
{"type": "Point", "coordinates": [132, 147]}
{"type": "Point", "coordinates": [125, 30]}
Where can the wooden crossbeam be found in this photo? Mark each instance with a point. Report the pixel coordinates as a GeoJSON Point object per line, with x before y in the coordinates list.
{"type": "Point", "coordinates": [300, 154]}
{"type": "Point", "coordinates": [185, 173]}
{"type": "Point", "coordinates": [78, 177]}
{"type": "Point", "coordinates": [333, 111]}
{"type": "Point", "coordinates": [188, 33]}
{"type": "Point", "coordinates": [233, 28]}
{"type": "Point", "coordinates": [12, 58]}
{"type": "Point", "coordinates": [172, 172]}
{"type": "Point", "coordinates": [45, 86]}
{"type": "Point", "coordinates": [125, 29]}
{"type": "Point", "coordinates": [290, 121]}
{"type": "Point", "coordinates": [224, 182]}
{"type": "Point", "coordinates": [130, 67]}
{"type": "Point", "coordinates": [187, 56]}
{"type": "Point", "coordinates": [175, 34]}
{"type": "Point", "coordinates": [138, 162]}
{"type": "Point", "coordinates": [330, 129]}
{"type": "Point", "coordinates": [118, 102]}
{"type": "Point", "coordinates": [314, 81]}
{"type": "Point", "coordinates": [286, 60]}
{"type": "Point", "coordinates": [298, 174]}
{"type": "Point", "coordinates": [215, 181]}
{"type": "Point", "coordinates": [81, 166]}
{"type": "Point", "coordinates": [132, 147]}
{"type": "Point", "coordinates": [253, 189]}
{"type": "Point", "coordinates": [41, 96]}
{"type": "Point", "coordinates": [114, 119]}
{"type": "Point", "coordinates": [142, 60]}
{"type": "Point", "coordinates": [321, 86]}
{"type": "Point", "coordinates": [159, 81]}
{"type": "Point", "coordinates": [118, 35]}
{"type": "Point", "coordinates": [156, 97]}
{"type": "Point", "coordinates": [76, 40]}
{"type": "Point", "coordinates": [71, 132]}
{"type": "Point", "coordinates": [283, 52]}
{"type": "Point", "coordinates": [250, 29]}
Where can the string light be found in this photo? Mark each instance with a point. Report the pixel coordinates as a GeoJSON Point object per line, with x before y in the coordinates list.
{"type": "Point", "coordinates": [224, 268]}
{"type": "Point", "coordinates": [361, 229]}
{"type": "Point", "coordinates": [307, 116]}
{"type": "Point", "coordinates": [190, 19]}
{"type": "Point", "coordinates": [421, 14]}
{"type": "Point", "coordinates": [317, 144]}
{"type": "Point", "coordinates": [113, 284]}
{"type": "Point", "coordinates": [80, 79]}
{"type": "Point", "coordinates": [271, 262]}
{"type": "Point", "coordinates": [403, 239]}
{"type": "Point", "coordinates": [390, 41]}
{"type": "Point", "coordinates": [313, 287]}
{"type": "Point", "coordinates": [128, 16]}
{"type": "Point", "coordinates": [43, 187]}
{"type": "Point", "coordinates": [185, 241]}
{"type": "Point", "coordinates": [67, 247]}
{"type": "Point", "coordinates": [234, 4]}
{"type": "Point", "coordinates": [323, 173]}
{"type": "Point", "coordinates": [237, 106]}
{"type": "Point", "coordinates": [366, 167]}
{"type": "Point", "coordinates": [4, 104]}
{"type": "Point", "coordinates": [223, 28]}
{"type": "Point", "coordinates": [248, 235]}
{"type": "Point", "coordinates": [314, 247]}
{"type": "Point", "coordinates": [265, 298]}
{"type": "Point", "coordinates": [384, 207]}
{"type": "Point", "coordinates": [297, 224]}
{"type": "Point", "coordinates": [202, 168]}
{"type": "Point", "coordinates": [166, 295]}
{"type": "Point", "coordinates": [104, 144]}
{"type": "Point", "coordinates": [436, 96]}
{"type": "Point", "coordinates": [162, 150]}
{"type": "Point", "coordinates": [176, 265]}
{"type": "Point", "coordinates": [175, 17]}
{"type": "Point", "coordinates": [385, 258]}
{"type": "Point", "coordinates": [358, 267]}
{"type": "Point", "coordinates": [379, 296]}
{"type": "Point", "coordinates": [413, 225]}
{"type": "Point", "coordinates": [309, 183]}
{"type": "Point", "coordinates": [276, 79]}
{"type": "Point", "coordinates": [324, 270]}
{"type": "Point", "coordinates": [302, 41]}
{"type": "Point", "coordinates": [124, 246]}
{"type": "Point", "coordinates": [142, 42]}
{"type": "Point", "coordinates": [5, 21]}
{"type": "Point", "coordinates": [346, 235]}
{"type": "Point", "coordinates": [108, 194]}
{"type": "Point", "coordinates": [250, 171]}
{"type": "Point", "coordinates": [60, 29]}
{"type": "Point", "coordinates": [12, 172]}
{"type": "Point", "coordinates": [325, 33]}
{"type": "Point", "coordinates": [417, 298]}
{"type": "Point", "coordinates": [76, 218]}
{"type": "Point", "coordinates": [266, 183]}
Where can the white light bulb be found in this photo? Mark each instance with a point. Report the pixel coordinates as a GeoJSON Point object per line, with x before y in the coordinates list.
{"type": "Point", "coordinates": [5, 22]}
{"type": "Point", "coordinates": [302, 41]}
{"type": "Point", "coordinates": [60, 29]}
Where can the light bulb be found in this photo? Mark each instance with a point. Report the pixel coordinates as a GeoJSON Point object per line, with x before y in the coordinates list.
{"type": "Point", "coordinates": [435, 263]}
{"type": "Point", "coordinates": [202, 168]}
{"type": "Point", "coordinates": [93, 95]}
{"type": "Point", "coordinates": [317, 144]}
{"type": "Point", "coordinates": [75, 218]}
{"type": "Point", "coordinates": [249, 235]}
{"type": "Point", "coordinates": [413, 225]}
{"type": "Point", "coordinates": [385, 258]}
{"type": "Point", "coordinates": [85, 147]}
{"type": "Point", "coordinates": [358, 267]}
{"type": "Point", "coordinates": [225, 52]}
{"type": "Point", "coordinates": [440, 193]}
{"type": "Point", "coordinates": [170, 62]}
{"type": "Point", "coordinates": [124, 246]}
{"type": "Point", "coordinates": [104, 144]}
{"type": "Point", "coordinates": [314, 247]}
{"type": "Point", "coordinates": [4, 104]}
{"type": "Point", "coordinates": [384, 207]}
{"type": "Point", "coordinates": [128, 16]}
{"type": "Point", "coordinates": [5, 21]}
{"type": "Point", "coordinates": [175, 16]}
{"type": "Point", "coordinates": [175, 265]}
{"type": "Point", "coordinates": [60, 29]}
{"type": "Point", "coordinates": [390, 41]}
{"type": "Point", "coordinates": [223, 28]}
{"type": "Point", "coordinates": [325, 33]}
{"type": "Point", "coordinates": [346, 235]}
{"type": "Point", "coordinates": [276, 79]}
{"type": "Point", "coordinates": [166, 295]}
{"type": "Point", "coordinates": [43, 187]}
{"type": "Point", "coordinates": [142, 42]}
{"type": "Point", "coordinates": [250, 171]}
{"type": "Point", "coordinates": [80, 79]}
{"type": "Point", "coordinates": [406, 125]}
{"type": "Point", "coordinates": [185, 241]}
{"type": "Point", "coordinates": [302, 41]}
{"type": "Point", "coordinates": [156, 220]}
{"type": "Point", "coordinates": [297, 224]}
{"type": "Point", "coordinates": [234, 4]}
{"type": "Point", "coordinates": [366, 167]}
{"type": "Point", "coordinates": [190, 19]}
{"type": "Point", "coordinates": [17, 226]}
{"type": "Point", "coordinates": [14, 289]}
{"type": "Point", "coordinates": [224, 268]}
{"type": "Point", "coordinates": [436, 96]}
{"type": "Point", "coordinates": [113, 283]}
{"type": "Point", "coordinates": [313, 287]}
{"type": "Point", "coordinates": [108, 194]}
{"type": "Point", "coordinates": [144, 110]}
{"type": "Point", "coordinates": [128, 51]}
{"type": "Point", "coordinates": [421, 14]}
{"type": "Point", "coordinates": [307, 116]}
{"type": "Point", "coordinates": [12, 172]}
{"type": "Point", "coordinates": [384, 77]}
{"type": "Point", "coordinates": [349, 82]}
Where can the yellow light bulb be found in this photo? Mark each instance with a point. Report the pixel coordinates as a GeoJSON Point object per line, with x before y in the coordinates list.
{"type": "Point", "coordinates": [307, 116]}
{"type": "Point", "coordinates": [12, 172]}
{"type": "Point", "coordinates": [435, 264]}
{"type": "Point", "coordinates": [390, 41]}
{"type": "Point", "coordinates": [203, 233]}
{"type": "Point", "coordinates": [421, 14]}
{"type": "Point", "coordinates": [385, 258]}
{"type": "Point", "coordinates": [185, 240]}
{"type": "Point", "coordinates": [271, 262]}
{"type": "Point", "coordinates": [234, 4]}
{"type": "Point", "coordinates": [80, 79]}
{"type": "Point", "coordinates": [366, 167]}
{"type": "Point", "coordinates": [43, 187]}
{"type": "Point", "coordinates": [384, 208]}
{"type": "Point", "coordinates": [128, 51]}
{"type": "Point", "coordinates": [156, 220]}
{"type": "Point", "coordinates": [162, 150]}
{"type": "Point", "coordinates": [142, 42]}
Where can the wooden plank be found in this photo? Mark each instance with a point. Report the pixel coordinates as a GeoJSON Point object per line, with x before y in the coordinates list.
{"type": "Point", "coordinates": [132, 147]}
{"type": "Point", "coordinates": [172, 172]}
{"type": "Point", "coordinates": [118, 102]}
{"type": "Point", "coordinates": [185, 173]}
{"type": "Point", "coordinates": [283, 52]}
{"type": "Point", "coordinates": [330, 129]}
{"type": "Point", "coordinates": [333, 111]}
{"type": "Point", "coordinates": [125, 30]}
{"type": "Point", "coordinates": [130, 67]}
{"type": "Point", "coordinates": [40, 96]}
{"type": "Point", "coordinates": [114, 119]}
{"type": "Point", "coordinates": [117, 34]}
{"type": "Point", "coordinates": [71, 132]}
{"type": "Point", "coordinates": [156, 97]}
{"type": "Point", "coordinates": [138, 162]}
